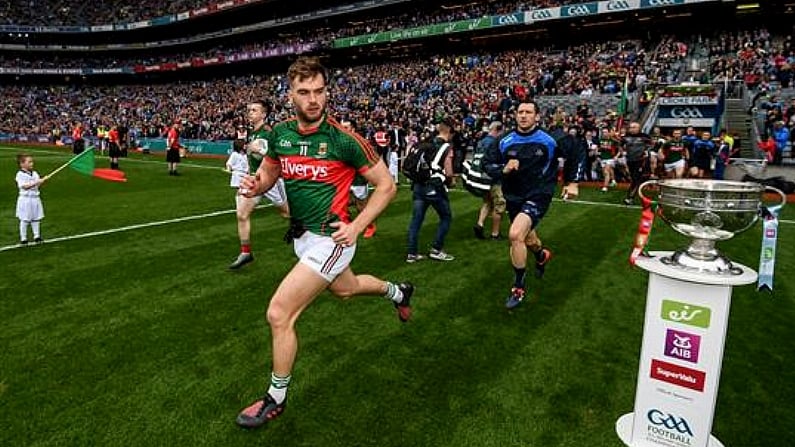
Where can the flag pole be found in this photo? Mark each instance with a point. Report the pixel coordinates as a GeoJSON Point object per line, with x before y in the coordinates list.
{"type": "Point", "coordinates": [71, 160]}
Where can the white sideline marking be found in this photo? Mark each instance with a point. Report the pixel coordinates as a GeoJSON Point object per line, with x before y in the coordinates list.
{"type": "Point", "coordinates": [131, 227]}
{"type": "Point", "coordinates": [219, 213]}
{"type": "Point", "coordinates": [124, 160]}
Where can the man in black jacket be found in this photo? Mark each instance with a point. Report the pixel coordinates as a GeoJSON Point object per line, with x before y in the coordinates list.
{"type": "Point", "coordinates": [636, 146]}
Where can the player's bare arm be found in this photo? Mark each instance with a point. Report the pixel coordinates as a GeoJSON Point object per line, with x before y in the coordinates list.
{"type": "Point", "coordinates": [384, 192]}
{"type": "Point", "coordinates": [262, 180]}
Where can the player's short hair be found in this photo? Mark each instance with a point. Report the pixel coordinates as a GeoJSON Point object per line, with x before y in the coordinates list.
{"type": "Point", "coordinates": [307, 67]}
{"type": "Point", "coordinates": [22, 157]}
{"type": "Point", "coordinates": [260, 102]}
{"type": "Point", "coordinates": [536, 109]}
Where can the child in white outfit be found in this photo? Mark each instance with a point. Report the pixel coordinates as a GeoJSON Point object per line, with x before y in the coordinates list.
{"type": "Point", "coordinates": [30, 211]}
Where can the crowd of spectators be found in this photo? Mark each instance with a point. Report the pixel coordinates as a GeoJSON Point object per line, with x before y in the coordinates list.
{"type": "Point", "coordinates": [419, 16]}
{"type": "Point", "coordinates": [104, 12]}
{"type": "Point", "coordinates": [410, 93]}
{"type": "Point", "coordinates": [35, 60]}
{"type": "Point", "coordinates": [754, 57]}
{"type": "Point", "coordinates": [764, 63]}
{"type": "Point", "coordinates": [97, 12]}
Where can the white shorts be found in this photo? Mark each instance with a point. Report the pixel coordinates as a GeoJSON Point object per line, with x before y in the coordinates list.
{"type": "Point", "coordinates": [29, 209]}
{"type": "Point", "coordinates": [393, 164]}
{"type": "Point", "coordinates": [605, 163]}
{"type": "Point", "coordinates": [322, 255]}
{"type": "Point", "coordinates": [677, 164]}
{"type": "Point", "coordinates": [361, 192]}
{"type": "Point", "coordinates": [277, 194]}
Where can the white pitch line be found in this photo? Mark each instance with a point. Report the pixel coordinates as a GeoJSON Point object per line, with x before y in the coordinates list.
{"type": "Point", "coordinates": [130, 227]}
{"type": "Point", "coordinates": [69, 155]}
{"type": "Point", "coordinates": [219, 213]}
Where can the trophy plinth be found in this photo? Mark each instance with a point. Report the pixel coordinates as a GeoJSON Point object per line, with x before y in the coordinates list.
{"type": "Point", "coordinates": [708, 211]}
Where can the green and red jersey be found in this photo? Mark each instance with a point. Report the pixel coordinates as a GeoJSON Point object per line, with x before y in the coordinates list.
{"type": "Point", "coordinates": [318, 167]}
{"type": "Point", "coordinates": [607, 148]}
{"type": "Point", "coordinates": [255, 159]}
{"type": "Point", "coordinates": [674, 151]}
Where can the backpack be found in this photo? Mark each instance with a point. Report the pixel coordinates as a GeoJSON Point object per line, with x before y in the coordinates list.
{"type": "Point", "coordinates": [417, 163]}
{"type": "Point", "coordinates": [477, 182]}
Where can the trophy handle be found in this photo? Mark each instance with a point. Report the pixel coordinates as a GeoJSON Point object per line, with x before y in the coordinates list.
{"type": "Point", "coordinates": [780, 193]}
{"type": "Point", "coordinates": [654, 182]}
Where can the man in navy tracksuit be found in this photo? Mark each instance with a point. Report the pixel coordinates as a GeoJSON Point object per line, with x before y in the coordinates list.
{"type": "Point", "coordinates": [526, 161]}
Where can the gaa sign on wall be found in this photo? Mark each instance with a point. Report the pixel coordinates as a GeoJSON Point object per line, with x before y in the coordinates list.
{"type": "Point", "coordinates": [687, 111]}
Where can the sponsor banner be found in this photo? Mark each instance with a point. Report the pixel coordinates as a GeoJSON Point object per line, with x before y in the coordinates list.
{"type": "Point", "coordinates": [165, 20]}
{"type": "Point", "coordinates": [99, 28]}
{"type": "Point", "coordinates": [687, 100]}
{"type": "Point", "coordinates": [667, 428]}
{"type": "Point", "coordinates": [106, 70]}
{"type": "Point", "coordinates": [508, 19]}
{"type": "Point", "coordinates": [183, 16]}
{"type": "Point", "coordinates": [709, 111]}
{"type": "Point", "coordinates": [682, 345]}
{"type": "Point", "coordinates": [677, 375]}
{"type": "Point", "coordinates": [618, 6]}
{"type": "Point", "coordinates": [579, 10]}
{"type": "Point", "coordinates": [65, 71]}
{"type": "Point", "coordinates": [686, 122]}
{"type": "Point", "coordinates": [224, 5]}
{"type": "Point", "coordinates": [56, 71]}
{"type": "Point", "coordinates": [660, 3]}
{"type": "Point", "coordinates": [199, 12]}
{"type": "Point", "coordinates": [223, 147]}
{"type": "Point", "coordinates": [414, 33]}
{"type": "Point", "coordinates": [540, 15]}
{"type": "Point", "coordinates": [679, 372]}
{"type": "Point", "coordinates": [137, 25]}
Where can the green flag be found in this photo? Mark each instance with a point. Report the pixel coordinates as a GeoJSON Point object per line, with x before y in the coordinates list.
{"type": "Point", "coordinates": [622, 104]}
{"type": "Point", "coordinates": [84, 162]}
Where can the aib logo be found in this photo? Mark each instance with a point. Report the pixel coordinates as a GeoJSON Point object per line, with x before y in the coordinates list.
{"type": "Point", "coordinates": [681, 345]}
{"type": "Point", "coordinates": [669, 421]}
{"type": "Point", "coordinates": [684, 313]}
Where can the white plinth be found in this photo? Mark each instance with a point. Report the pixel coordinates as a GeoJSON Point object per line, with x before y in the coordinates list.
{"type": "Point", "coordinates": [684, 332]}
{"type": "Point", "coordinates": [624, 431]}
{"type": "Point", "coordinates": [654, 265]}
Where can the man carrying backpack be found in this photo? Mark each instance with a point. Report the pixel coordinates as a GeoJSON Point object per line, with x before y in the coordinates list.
{"type": "Point", "coordinates": [493, 200]}
{"type": "Point", "coordinates": [430, 168]}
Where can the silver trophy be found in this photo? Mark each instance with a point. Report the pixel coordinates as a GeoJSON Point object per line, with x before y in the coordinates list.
{"type": "Point", "coordinates": [708, 211]}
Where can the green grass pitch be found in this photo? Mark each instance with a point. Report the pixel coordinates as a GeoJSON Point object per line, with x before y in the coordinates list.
{"type": "Point", "coordinates": [142, 337]}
